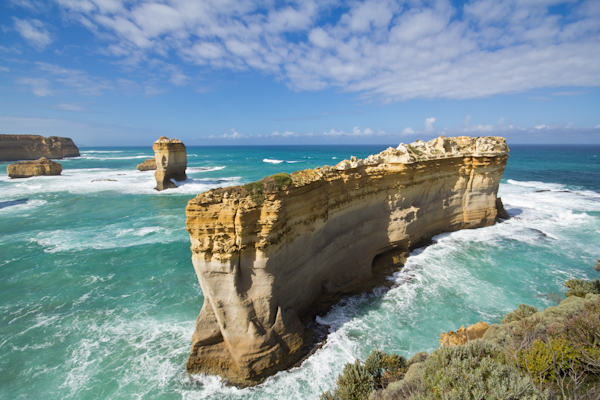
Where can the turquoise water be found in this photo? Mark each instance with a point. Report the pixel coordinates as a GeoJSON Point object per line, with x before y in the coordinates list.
{"type": "Point", "coordinates": [98, 296]}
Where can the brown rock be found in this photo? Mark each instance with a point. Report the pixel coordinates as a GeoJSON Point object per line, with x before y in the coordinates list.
{"type": "Point", "coordinates": [26, 169]}
{"type": "Point", "coordinates": [148, 165]}
{"type": "Point", "coordinates": [462, 335]}
{"type": "Point", "coordinates": [171, 162]}
{"type": "Point", "coordinates": [269, 257]}
{"type": "Point", "coordinates": [32, 147]}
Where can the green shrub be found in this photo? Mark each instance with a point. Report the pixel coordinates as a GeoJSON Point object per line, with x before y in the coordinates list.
{"type": "Point", "coordinates": [522, 311]}
{"type": "Point", "coordinates": [282, 179]}
{"type": "Point", "coordinates": [359, 379]}
{"type": "Point", "coordinates": [475, 370]}
{"type": "Point", "coordinates": [581, 287]}
{"type": "Point", "coordinates": [256, 191]}
{"type": "Point", "coordinates": [546, 361]}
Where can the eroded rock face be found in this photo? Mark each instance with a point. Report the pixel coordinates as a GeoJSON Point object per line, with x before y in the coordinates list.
{"type": "Point", "coordinates": [32, 147]}
{"type": "Point", "coordinates": [271, 254]}
{"type": "Point", "coordinates": [148, 165]}
{"type": "Point", "coordinates": [463, 335]}
{"type": "Point", "coordinates": [26, 169]}
{"type": "Point", "coordinates": [171, 161]}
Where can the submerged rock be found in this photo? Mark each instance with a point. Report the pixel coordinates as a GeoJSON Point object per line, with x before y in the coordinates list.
{"type": "Point", "coordinates": [148, 165]}
{"type": "Point", "coordinates": [171, 162]}
{"type": "Point", "coordinates": [32, 147]}
{"type": "Point", "coordinates": [272, 254]}
{"type": "Point", "coordinates": [27, 169]}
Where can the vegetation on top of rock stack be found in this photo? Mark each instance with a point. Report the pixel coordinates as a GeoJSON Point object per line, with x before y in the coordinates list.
{"type": "Point", "coordinates": [550, 354]}
{"type": "Point", "coordinates": [256, 190]}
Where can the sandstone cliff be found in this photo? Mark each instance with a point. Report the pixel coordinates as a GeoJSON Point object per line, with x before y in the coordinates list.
{"type": "Point", "coordinates": [32, 147]}
{"type": "Point", "coordinates": [171, 162]}
{"type": "Point", "coordinates": [270, 254]}
{"type": "Point", "coordinates": [26, 169]}
{"type": "Point", "coordinates": [148, 165]}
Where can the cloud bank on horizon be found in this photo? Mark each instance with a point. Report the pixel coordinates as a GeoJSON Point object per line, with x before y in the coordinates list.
{"type": "Point", "coordinates": [381, 52]}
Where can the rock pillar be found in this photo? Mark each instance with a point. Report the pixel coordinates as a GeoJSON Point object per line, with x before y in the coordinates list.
{"type": "Point", "coordinates": [171, 162]}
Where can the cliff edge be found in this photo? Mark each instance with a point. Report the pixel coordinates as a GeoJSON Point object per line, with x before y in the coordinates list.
{"type": "Point", "coordinates": [270, 254]}
{"type": "Point", "coordinates": [33, 147]}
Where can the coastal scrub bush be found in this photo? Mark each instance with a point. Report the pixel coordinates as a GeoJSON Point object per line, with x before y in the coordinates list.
{"type": "Point", "coordinates": [359, 379]}
{"type": "Point", "coordinates": [522, 311]}
{"type": "Point", "coordinates": [256, 191]}
{"type": "Point", "coordinates": [546, 361]}
{"type": "Point", "coordinates": [581, 287]}
{"type": "Point", "coordinates": [281, 179]}
{"type": "Point", "coordinates": [475, 370]}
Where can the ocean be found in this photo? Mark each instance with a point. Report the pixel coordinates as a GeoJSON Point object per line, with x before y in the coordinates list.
{"type": "Point", "coordinates": [98, 295]}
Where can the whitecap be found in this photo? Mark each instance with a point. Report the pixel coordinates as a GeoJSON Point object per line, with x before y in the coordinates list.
{"type": "Point", "coordinates": [204, 169]}
{"type": "Point", "coordinates": [272, 161]}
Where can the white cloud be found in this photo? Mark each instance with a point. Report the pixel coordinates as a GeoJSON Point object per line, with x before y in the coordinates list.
{"type": "Point", "coordinates": [284, 134]}
{"type": "Point", "coordinates": [69, 107]}
{"type": "Point", "coordinates": [4, 69]}
{"type": "Point", "coordinates": [79, 80]}
{"type": "Point", "coordinates": [34, 32]}
{"type": "Point", "coordinates": [39, 86]}
{"type": "Point", "coordinates": [408, 131]}
{"type": "Point", "coordinates": [233, 135]}
{"type": "Point", "coordinates": [378, 47]}
{"type": "Point", "coordinates": [429, 125]}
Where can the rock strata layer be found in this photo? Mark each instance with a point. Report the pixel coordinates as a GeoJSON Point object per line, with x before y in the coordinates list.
{"type": "Point", "coordinates": [148, 165]}
{"type": "Point", "coordinates": [271, 254]}
{"type": "Point", "coordinates": [26, 169]}
{"type": "Point", "coordinates": [32, 147]}
{"type": "Point", "coordinates": [171, 161]}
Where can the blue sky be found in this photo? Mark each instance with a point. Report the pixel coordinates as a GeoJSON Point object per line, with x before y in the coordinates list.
{"type": "Point", "coordinates": [218, 72]}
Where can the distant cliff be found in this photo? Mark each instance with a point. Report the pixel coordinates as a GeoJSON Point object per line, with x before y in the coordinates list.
{"type": "Point", "coordinates": [170, 162]}
{"type": "Point", "coordinates": [33, 147]}
{"type": "Point", "coordinates": [271, 254]}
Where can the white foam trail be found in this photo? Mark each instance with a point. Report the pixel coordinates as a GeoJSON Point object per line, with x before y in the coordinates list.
{"type": "Point", "coordinates": [204, 169]}
{"type": "Point", "coordinates": [101, 151]}
{"type": "Point", "coordinates": [293, 162]}
{"type": "Point", "coordinates": [272, 161]}
{"type": "Point", "coordinates": [93, 180]}
{"type": "Point", "coordinates": [117, 158]}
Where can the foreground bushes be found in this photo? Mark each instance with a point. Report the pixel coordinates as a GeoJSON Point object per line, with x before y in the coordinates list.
{"type": "Point", "coordinates": [551, 354]}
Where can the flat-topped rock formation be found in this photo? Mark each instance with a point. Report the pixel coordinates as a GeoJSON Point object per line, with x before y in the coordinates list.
{"type": "Point", "coordinates": [26, 169]}
{"type": "Point", "coordinates": [171, 162]}
{"type": "Point", "coordinates": [273, 253]}
{"type": "Point", "coordinates": [32, 147]}
{"type": "Point", "coordinates": [148, 165]}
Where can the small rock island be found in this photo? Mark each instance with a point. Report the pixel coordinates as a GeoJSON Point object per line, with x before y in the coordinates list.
{"type": "Point", "coordinates": [171, 161]}
{"type": "Point", "coordinates": [32, 147]}
{"type": "Point", "coordinates": [27, 169]}
{"type": "Point", "coordinates": [271, 254]}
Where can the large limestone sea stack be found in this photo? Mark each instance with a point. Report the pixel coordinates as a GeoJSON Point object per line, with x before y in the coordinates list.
{"type": "Point", "coordinates": [171, 162]}
{"type": "Point", "coordinates": [27, 169]}
{"type": "Point", "coordinates": [32, 147]}
{"type": "Point", "coordinates": [271, 254]}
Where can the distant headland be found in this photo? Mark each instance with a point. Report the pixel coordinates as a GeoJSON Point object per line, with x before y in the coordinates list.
{"type": "Point", "coordinates": [33, 147]}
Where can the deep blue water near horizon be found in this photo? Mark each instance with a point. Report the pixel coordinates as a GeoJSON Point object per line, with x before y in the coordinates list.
{"type": "Point", "coordinates": [98, 296]}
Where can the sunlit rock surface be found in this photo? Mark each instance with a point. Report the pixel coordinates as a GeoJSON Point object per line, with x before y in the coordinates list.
{"type": "Point", "coordinates": [33, 147]}
{"type": "Point", "coordinates": [171, 161]}
{"type": "Point", "coordinates": [272, 254]}
{"type": "Point", "coordinates": [27, 169]}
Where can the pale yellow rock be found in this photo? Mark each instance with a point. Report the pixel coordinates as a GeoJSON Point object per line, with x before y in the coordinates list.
{"type": "Point", "coordinates": [32, 147]}
{"type": "Point", "coordinates": [171, 161]}
{"type": "Point", "coordinates": [26, 169]}
{"type": "Point", "coordinates": [462, 335]}
{"type": "Point", "coordinates": [265, 269]}
{"type": "Point", "coordinates": [148, 165]}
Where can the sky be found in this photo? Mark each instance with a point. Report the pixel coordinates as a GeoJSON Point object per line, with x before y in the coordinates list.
{"type": "Point", "coordinates": [239, 72]}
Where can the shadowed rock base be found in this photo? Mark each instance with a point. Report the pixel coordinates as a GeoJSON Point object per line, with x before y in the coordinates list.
{"type": "Point", "coordinates": [270, 256]}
